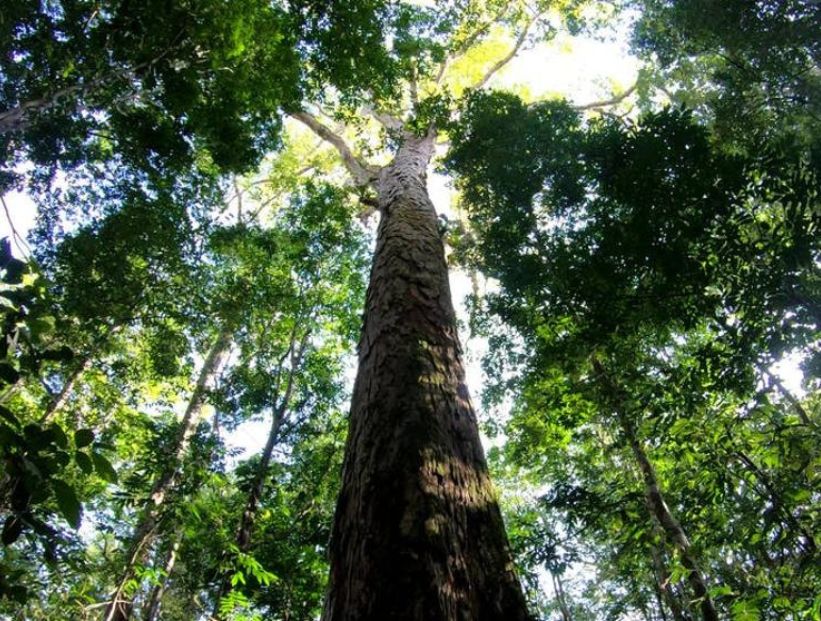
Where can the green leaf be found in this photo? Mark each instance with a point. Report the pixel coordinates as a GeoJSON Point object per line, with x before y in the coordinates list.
{"type": "Point", "coordinates": [83, 437]}
{"type": "Point", "coordinates": [84, 462]}
{"type": "Point", "coordinates": [67, 502]}
{"type": "Point", "coordinates": [237, 578]}
{"type": "Point", "coordinates": [58, 436]}
{"type": "Point", "coordinates": [41, 326]}
{"type": "Point", "coordinates": [9, 416]}
{"type": "Point", "coordinates": [12, 529]}
{"type": "Point", "coordinates": [6, 303]}
{"type": "Point", "coordinates": [61, 458]}
{"type": "Point", "coordinates": [8, 373]}
{"type": "Point", "coordinates": [104, 468]}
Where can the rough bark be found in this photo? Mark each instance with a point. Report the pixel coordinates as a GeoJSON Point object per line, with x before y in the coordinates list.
{"type": "Point", "coordinates": [120, 607]}
{"type": "Point", "coordinates": [417, 534]}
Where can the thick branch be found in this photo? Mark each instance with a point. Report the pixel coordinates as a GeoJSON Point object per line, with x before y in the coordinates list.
{"type": "Point", "coordinates": [414, 87]}
{"type": "Point", "coordinates": [500, 64]}
{"type": "Point", "coordinates": [362, 173]}
{"type": "Point", "coordinates": [388, 121]}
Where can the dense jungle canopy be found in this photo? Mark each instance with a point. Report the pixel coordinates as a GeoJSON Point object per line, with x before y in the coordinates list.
{"type": "Point", "coordinates": [273, 247]}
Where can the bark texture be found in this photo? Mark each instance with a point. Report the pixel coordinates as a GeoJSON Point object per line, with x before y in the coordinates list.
{"type": "Point", "coordinates": [121, 607]}
{"type": "Point", "coordinates": [418, 535]}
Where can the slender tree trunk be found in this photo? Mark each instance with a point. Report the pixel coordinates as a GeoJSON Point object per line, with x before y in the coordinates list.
{"type": "Point", "coordinates": [152, 608]}
{"type": "Point", "coordinates": [669, 523]}
{"type": "Point", "coordinates": [655, 499]}
{"type": "Point", "coordinates": [280, 413]}
{"type": "Point", "coordinates": [249, 514]}
{"type": "Point", "coordinates": [120, 608]}
{"type": "Point", "coordinates": [418, 535]}
{"type": "Point", "coordinates": [61, 398]}
{"type": "Point", "coordinates": [664, 589]}
{"type": "Point", "coordinates": [560, 598]}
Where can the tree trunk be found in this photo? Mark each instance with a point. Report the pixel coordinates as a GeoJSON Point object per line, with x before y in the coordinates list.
{"type": "Point", "coordinates": [655, 499]}
{"type": "Point", "coordinates": [120, 608]}
{"type": "Point", "coordinates": [664, 590]}
{"type": "Point", "coordinates": [249, 514]}
{"type": "Point", "coordinates": [671, 526]}
{"type": "Point", "coordinates": [280, 413]}
{"type": "Point", "coordinates": [560, 598]}
{"type": "Point", "coordinates": [152, 609]}
{"type": "Point", "coordinates": [418, 535]}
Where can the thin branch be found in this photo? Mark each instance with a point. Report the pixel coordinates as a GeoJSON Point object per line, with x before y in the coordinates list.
{"type": "Point", "coordinates": [362, 173]}
{"type": "Point", "coordinates": [467, 44]}
{"type": "Point", "coordinates": [791, 399]}
{"type": "Point", "coordinates": [499, 65]}
{"type": "Point", "coordinates": [617, 99]}
{"type": "Point", "coordinates": [239, 199]}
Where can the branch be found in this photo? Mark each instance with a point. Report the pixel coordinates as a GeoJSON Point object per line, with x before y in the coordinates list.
{"type": "Point", "coordinates": [18, 239]}
{"type": "Point", "coordinates": [414, 87]}
{"type": "Point", "coordinates": [511, 55]}
{"type": "Point", "coordinates": [19, 118]}
{"type": "Point", "coordinates": [791, 399]}
{"type": "Point", "coordinates": [608, 102]}
{"type": "Point", "coordinates": [388, 120]}
{"type": "Point", "coordinates": [467, 44]}
{"type": "Point", "coordinates": [362, 173]}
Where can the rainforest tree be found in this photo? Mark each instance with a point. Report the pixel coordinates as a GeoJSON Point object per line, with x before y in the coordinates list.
{"type": "Point", "coordinates": [201, 171]}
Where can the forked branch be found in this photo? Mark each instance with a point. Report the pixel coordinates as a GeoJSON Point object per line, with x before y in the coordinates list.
{"type": "Point", "coordinates": [467, 43]}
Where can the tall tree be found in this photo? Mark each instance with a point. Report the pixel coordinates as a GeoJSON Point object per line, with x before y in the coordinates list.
{"type": "Point", "coordinates": [418, 533]}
